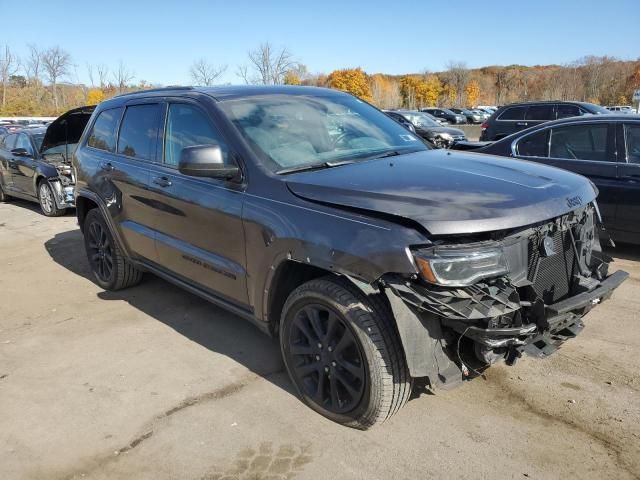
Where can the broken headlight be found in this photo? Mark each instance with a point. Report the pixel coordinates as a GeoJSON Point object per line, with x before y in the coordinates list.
{"type": "Point", "coordinates": [460, 266]}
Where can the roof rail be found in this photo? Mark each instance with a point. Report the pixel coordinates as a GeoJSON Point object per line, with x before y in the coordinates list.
{"type": "Point", "coordinates": [151, 90]}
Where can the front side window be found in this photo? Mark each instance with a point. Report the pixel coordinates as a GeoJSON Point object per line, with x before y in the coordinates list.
{"type": "Point", "coordinates": [632, 140]}
{"type": "Point", "coordinates": [539, 112]}
{"type": "Point", "coordinates": [564, 111]}
{"type": "Point", "coordinates": [103, 132]}
{"type": "Point", "coordinates": [298, 131]}
{"type": "Point", "coordinates": [513, 113]}
{"type": "Point", "coordinates": [579, 142]}
{"type": "Point", "coordinates": [24, 142]}
{"type": "Point", "coordinates": [534, 145]}
{"type": "Point", "coordinates": [139, 131]}
{"type": "Point", "coordinates": [188, 126]}
{"type": "Point", "coordinates": [9, 141]}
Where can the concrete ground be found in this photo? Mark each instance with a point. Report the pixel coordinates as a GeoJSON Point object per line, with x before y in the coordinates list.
{"type": "Point", "coordinates": [154, 383]}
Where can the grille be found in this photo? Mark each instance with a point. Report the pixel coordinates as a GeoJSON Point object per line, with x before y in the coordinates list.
{"type": "Point", "coordinates": [552, 275]}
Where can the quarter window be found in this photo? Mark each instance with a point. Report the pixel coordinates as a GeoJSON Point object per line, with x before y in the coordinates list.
{"type": "Point", "coordinates": [539, 112]}
{"type": "Point", "coordinates": [139, 131]}
{"type": "Point", "coordinates": [188, 126]}
{"type": "Point", "coordinates": [579, 142]}
{"type": "Point", "coordinates": [632, 136]}
{"type": "Point", "coordinates": [513, 113]}
{"type": "Point", "coordinates": [534, 145]}
{"type": "Point", "coordinates": [103, 132]}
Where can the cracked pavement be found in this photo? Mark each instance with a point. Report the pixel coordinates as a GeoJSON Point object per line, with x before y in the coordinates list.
{"type": "Point", "coordinates": [155, 383]}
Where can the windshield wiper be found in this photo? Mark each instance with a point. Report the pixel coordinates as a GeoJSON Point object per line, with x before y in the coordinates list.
{"type": "Point", "coordinates": [314, 166]}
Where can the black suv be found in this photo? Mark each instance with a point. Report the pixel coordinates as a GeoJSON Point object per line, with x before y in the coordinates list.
{"type": "Point", "coordinates": [518, 116]}
{"type": "Point", "coordinates": [373, 258]}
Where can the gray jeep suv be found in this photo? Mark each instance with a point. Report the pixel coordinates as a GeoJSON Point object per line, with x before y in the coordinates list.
{"type": "Point", "coordinates": [371, 257]}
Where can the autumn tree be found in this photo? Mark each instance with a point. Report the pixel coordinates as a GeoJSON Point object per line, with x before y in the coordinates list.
{"type": "Point", "coordinates": [291, 78]}
{"type": "Point", "coordinates": [9, 66]}
{"type": "Point", "coordinates": [95, 96]}
{"type": "Point", "coordinates": [204, 73]}
{"type": "Point", "coordinates": [472, 92]}
{"type": "Point", "coordinates": [351, 80]}
{"type": "Point", "coordinates": [457, 77]}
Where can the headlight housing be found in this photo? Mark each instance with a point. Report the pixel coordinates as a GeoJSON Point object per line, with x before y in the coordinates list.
{"type": "Point", "coordinates": [460, 266]}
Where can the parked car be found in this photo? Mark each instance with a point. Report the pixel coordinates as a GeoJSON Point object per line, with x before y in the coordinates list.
{"type": "Point", "coordinates": [470, 115]}
{"type": "Point", "coordinates": [445, 114]}
{"type": "Point", "coordinates": [626, 109]}
{"type": "Point", "coordinates": [488, 108]}
{"type": "Point", "coordinates": [606, 149]}
{"type": "Point", "coordinates": [35, 162]}
{"type": "Point", "coordinates": [518, 116]}
{"type": "Point", "coordinates": [368, 254]}
{"type": "Point", "coordinates": [482, 113]}
{"type": "Point", "coordinates": [9, 128]}
{"type": "Point", "coordinates": [427, 128]}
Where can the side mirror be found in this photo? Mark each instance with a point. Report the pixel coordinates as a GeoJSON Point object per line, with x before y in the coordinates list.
{"type": "Point", "coordinates": [205, 161]}
{"type": "Point", "coordinates": [21, 152]}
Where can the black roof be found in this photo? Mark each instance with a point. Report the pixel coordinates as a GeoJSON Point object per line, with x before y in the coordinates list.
{"type": "Point", "coordinates": [539, 102]}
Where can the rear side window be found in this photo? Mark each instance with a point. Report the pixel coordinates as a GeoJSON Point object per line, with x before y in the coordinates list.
{"type": "Point", "coordinates": [139, 131]}
{"type": "Point", "coordinates": [539, 112]}
{"type": "Point", "coordinates": [565, 111]}
{"type": "Point", "coordinates": [513, 113]}
{"type": "Point", "coordinates": [535, 145]}
{"type": "Point", "coordinates": [103, 132]}
{"type": "Point", "coordinates": [632, 136]}
{"type": "Point", "coordinates": [579, 142]}
{"type": "Point", "coordinates": [188, 126]}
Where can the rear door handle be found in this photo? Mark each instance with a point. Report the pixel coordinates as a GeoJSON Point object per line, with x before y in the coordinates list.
{"type": "Point", "coordinates": [162, 182]}
{"type": "Point", "coordinates": [521, 124]}
{"type": "Point", "coordinates": [107, 166]}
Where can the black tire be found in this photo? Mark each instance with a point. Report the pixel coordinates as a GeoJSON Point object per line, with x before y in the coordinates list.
{"type": "Point", "coordinates": [3, 196]}
{"type": "Point", "coordinates": [46, 197]}
{"type": "Point", "coordinates": [376, 353]}
{"type": "Point", "coordinates": [111, 270]}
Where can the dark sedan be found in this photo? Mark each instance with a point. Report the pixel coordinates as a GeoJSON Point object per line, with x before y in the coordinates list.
{"type": "Point", "coordinates": [445, 114]}
{"type": "Point", "coordinates": [606, 149]}
{"type": "Point", "coordinates": [35, 162]}
{"type": "Point", "coordinates": [428, 128]}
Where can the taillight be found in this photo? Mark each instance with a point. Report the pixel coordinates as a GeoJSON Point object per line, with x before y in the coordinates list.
{"type": "Point", "coordinates": [484, 125]}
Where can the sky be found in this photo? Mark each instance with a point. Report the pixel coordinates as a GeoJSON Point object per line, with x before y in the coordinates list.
{"type": "Point", "coordinates": [158, 40]}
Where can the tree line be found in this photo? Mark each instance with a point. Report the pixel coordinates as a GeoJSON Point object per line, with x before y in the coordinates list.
{"type": "Point", "coordinates": [46, 82]}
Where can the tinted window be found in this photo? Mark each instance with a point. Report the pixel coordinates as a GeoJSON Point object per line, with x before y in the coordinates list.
{"type": "Point", "coordinates": [24, 142]}
{"type": "Point", "coordinates": [564, 111]}
{"type": "Point", "coordinates": [188, 126]}
{"type": "Point", "coordinates": [139, 131]}
{"type": "Point", "coordinates": [539, 112]}
{"type": "Point", "coordinates": [632, 136]}
{"type": "Point", "coordinates": [581, 142]}
{"type": "Point", "coordinates": [513, 113]}
{"type": "Point", "coordinates": [103, 132]}
{"type": "Point", "coordinates": [534, 145]}
{"type": "Point", "coordinates": [9, 141]}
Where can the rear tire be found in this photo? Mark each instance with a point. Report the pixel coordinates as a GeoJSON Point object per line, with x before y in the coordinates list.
{"type": "Point", "coordinates": [343, 353]}
{"type": "Point", "coordinates": [111, 270]}
{"type": "Point", "coordinates": [46, 197]}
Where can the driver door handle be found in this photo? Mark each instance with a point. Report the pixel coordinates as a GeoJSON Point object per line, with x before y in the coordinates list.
{"type": "Point", "coordinates": [522, 124]}
{"type": "Point", "coordinates": [107, 166]}
{"type": "Point", "coordinates": [162, 182]}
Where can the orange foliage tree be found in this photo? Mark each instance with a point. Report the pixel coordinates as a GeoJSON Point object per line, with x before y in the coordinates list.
{"type": "Point", "coordinates": [351, 80]}
{"type": "Point", "coordinates": [472, 91]}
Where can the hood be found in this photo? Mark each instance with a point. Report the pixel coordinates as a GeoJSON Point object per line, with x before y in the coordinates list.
{"type": "Point", "coordinates": [67, 128]}
{"type": "Point", "coordinates": [434, 130]}
{"type": "Point", "coordinates": [449, 192]}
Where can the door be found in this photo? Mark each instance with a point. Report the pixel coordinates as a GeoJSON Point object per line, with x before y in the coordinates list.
{"type": "Point", "coordinates": [510, 120]}
{"type": "Point", "coordinates": [6, 161]}
{"type": "Point", "coordinates": [628, 213]}
{"type": "Point", "coordinates": [24, 166]}
{"type": "Point", "coordinates": [199, 232]}
{"type": "Point", "coordinates": [584, 148]}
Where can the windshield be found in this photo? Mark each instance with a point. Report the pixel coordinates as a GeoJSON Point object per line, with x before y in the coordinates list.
{"type": "Point", "coordinates": [293, 131]}
{"type": "Point", "coordinates": [420, 120]}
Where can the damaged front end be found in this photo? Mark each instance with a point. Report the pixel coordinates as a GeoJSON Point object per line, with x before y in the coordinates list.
{"type": "Point", "coordinates": [62, 184]}
{"type": "Point", "coordinates": [518, 292]}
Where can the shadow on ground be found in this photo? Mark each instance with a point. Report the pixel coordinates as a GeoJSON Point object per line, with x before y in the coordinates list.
{"type": "Point", "coordinates": [198, 320]}
{"type": "Point", "coordinates": [35, 207]}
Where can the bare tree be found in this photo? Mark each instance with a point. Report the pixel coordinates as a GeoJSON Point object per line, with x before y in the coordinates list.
{"type": "Point", "coordinates": [33, 65]}
{"type": "Point", "coordinates": [103, 73]}
{"type": "Point", "coordinates": [267, 65]}
{"type": "Point", "coordinates": [122, 76]}
{"type": "Point", "coordinates": [56, 63]}
{"type": "Point", "coordinates": [91, 74]}
{"type": "Point", "coordinates": [205, 73]}
{"type": "Point", "coordinates": [9, 65]}
{"type": "Point", "coordinates": [457, 75]}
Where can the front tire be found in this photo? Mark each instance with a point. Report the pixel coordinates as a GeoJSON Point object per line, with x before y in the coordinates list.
{"type": "Point", "coordinates": [47, 200]}
{"type": "Point", "coordinates": [3, 196]}
{"type": "Point", "coordinates": [343, 353]}
{"type": "Point", "coordinates": [111, 270]}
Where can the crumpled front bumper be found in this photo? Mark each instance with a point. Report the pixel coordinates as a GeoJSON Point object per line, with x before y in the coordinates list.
{"type": "Point", "coordinates": [63, 194]}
